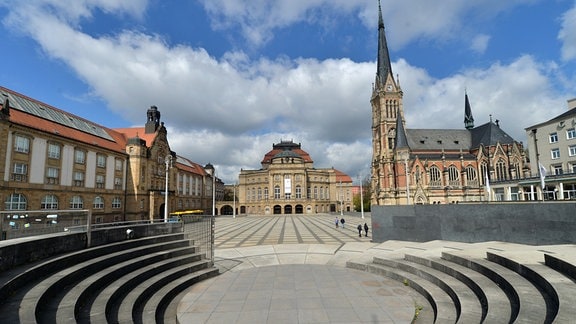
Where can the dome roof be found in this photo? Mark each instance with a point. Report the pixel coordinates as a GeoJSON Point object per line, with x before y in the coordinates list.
{"type": "Point", "coordinates": [286, 149]}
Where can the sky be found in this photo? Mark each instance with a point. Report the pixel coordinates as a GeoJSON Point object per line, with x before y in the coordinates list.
{"type": "Point", "coordinates": [233, 77]}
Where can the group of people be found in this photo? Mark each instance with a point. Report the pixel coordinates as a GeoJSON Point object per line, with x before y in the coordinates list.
{"type": "Point", "coordinates": [342, 221]}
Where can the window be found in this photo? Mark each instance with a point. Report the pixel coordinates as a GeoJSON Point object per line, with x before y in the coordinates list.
{"type": "Point", "coordinates": [78, 179]}
{"type": "Point", "coordinates": [49, 202]}
{"type": "Point", "coordinates": [116, 202]}
{"type": "Point", "coordinates": [98, 202]}
{"type": "Point", "coordinates": [100, 160]}
{"type": "Point", "coordinates": [22, 144]}
{"type": "Point", "coordinates": [298, 192]}
{"type": "Point", "coordinates": [20, 172]}
{"type": "Point", "coordinates": [501, 170]}
{"type": "Point", "coordinates": [79, 156]}
{"type": "Point", "coordinates": [52, 175]}
{"type": "Point", "coordinates": [553, 137]}
{"type": "Point", "coordinates": [53, 151]}
{"type": "Point", "coordinates": [555, 153]}
{"type": "Point", "coordinates": [470, 173]}
{"type": "Point", "coordinates": [100, 181]}
{"type": "Point", "coordinates": [118, 165]}
{"type": "Point", "coordinates": [76, 202]}
{"type": "Point", "coordinates": [572, 150]}
{"type": "Point", "coordinates": [277, 192]}
{"type": "Point", "coordinates": [265, 192]}
{"type": "Point", "coordinates": [315, 192]}
{"type": "Point", "coordinates": [435, 177]}
{"type": "Point", "coordinates": [453, 176]}
{"type": "Point", "coordinates": [571, 133]}
{"type": "Point", "coordinates": [117, 183]}
{"type": "Point", "coordinates": [259, 193]}
{"type": "Point", "coordinates": [557, 169]}
{"type": "Point", "coordinates": [15, 202]}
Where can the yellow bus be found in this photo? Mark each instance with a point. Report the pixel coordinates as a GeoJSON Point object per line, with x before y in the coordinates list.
{"type": "Point", "coordinates": [176, 217]}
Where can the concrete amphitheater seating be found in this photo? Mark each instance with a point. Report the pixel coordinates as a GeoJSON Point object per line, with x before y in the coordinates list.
{"type": "Point", "coordinates": [489, 282]}
{"type": "Point", "coordinates": [138, 277]}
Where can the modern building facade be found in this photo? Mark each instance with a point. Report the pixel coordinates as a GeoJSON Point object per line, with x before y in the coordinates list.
{"type": "Point", "coordinates": [436, 166]}
{"type": "Point", "coordinates": [552, 147]}
{"type": "Point", "coordinates": [51, 159]}
{"type": "Point", "coordinates": [288, 183]}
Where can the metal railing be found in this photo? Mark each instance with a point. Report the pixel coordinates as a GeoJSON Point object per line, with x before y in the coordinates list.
{"type": "Point", "coordinates": [200, 229]}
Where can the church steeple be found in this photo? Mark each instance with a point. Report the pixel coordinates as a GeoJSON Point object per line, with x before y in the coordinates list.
{"type": "Point", "coordinates": [401, 141]}
{"type": "Point", "coordinates": [468, 118]}
{"type": "Point", "coordinates": [384, 68]}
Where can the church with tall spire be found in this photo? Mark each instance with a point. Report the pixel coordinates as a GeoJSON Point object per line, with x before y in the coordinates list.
{"type": "Point", "coordinates": [436, 166]}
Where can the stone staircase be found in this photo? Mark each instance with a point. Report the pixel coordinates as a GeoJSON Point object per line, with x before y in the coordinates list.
{"type": "Point", "coordinates": [489, 282]}
{"type": "Point", "coordinates": [132, 281]}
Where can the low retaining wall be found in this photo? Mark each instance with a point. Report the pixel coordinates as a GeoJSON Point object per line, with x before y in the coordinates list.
{"type": "Point", "coordinates": [526, 223]}
{"type": "Point", "coordinates": [15, 252]}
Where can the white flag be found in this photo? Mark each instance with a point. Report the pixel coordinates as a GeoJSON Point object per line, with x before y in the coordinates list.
{"type": "Point", "coordinates": [542, 175]}
{"type": "Point", "coordinates": [488, 186]}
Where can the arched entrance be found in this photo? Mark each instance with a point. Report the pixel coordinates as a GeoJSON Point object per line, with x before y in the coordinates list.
{"type": "Point", "coordinates": [299, 209]}
{"type": "Point", "coordinates": [277, 209]}
{"type": "Point", "coordinates": [227, 210]}
{"type": "Point", "coordinates": [288, 209]}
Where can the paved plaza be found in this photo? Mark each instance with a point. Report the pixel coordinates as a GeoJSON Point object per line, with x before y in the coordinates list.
{"type": "Point", "coordinates": [292, 269]}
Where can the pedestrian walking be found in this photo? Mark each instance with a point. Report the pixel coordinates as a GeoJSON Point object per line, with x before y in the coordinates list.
{"type": "Point", "coordinates": [342, 221]}
{"type": "Point", "coordinates": [336, 222]}
{"type": "Point", "coordinates": [365, 229]}
{"type": "Point", "coordinates": [359, 230]}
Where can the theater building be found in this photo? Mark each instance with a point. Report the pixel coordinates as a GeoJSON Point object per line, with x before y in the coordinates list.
{"type": "Point", "coordinates": [288, 183]}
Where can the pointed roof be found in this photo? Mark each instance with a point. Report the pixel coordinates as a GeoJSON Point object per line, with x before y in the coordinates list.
{"type": "Point", "coordinates": [384, 67]}
{"type": "Point", "coordinates": [401, 139]}
{"type": "Point", "coordinates": [468, 118]}
{"type": "Point", "coordinates": [489, 134]}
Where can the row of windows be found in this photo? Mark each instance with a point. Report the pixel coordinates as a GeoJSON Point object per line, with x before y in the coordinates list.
{"type": "Point", "coordinates": [255, 194]}
{"type": "Point", "coordinates": [18, 201]}
{"type": "Point", "coordinates": [22, 145]}
{"type": "Point", "coordinates": [555, 152]}
{"type": "Point", "coordinates": [570, 134]}
{"type": "Point", "coordinates": [501, 172]}
{"type": "Point", "coordinates": [20, 173]}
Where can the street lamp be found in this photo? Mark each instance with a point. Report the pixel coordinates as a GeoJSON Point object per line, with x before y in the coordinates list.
{"type": "Point", "coordinates": [210, 169]}
{"type": "Point", "coordinates": [406, 156]}
{"type": "Point", "coordinates": [341, 199]}
{"type": "Point", "coordinates": [361, 198]}
{"type": "Point", "coordinates": [168, 161]}
{"type": "Point", "coordinates": [234, 201]}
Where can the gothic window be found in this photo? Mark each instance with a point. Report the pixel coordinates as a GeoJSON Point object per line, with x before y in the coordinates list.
{"type": "Point", "coordinates": [501, 170]}
{"type": "Point", "coordinates": [485, 173]}
{"type": "Point", "coordinates": [453, 176]}
{"type": "Point", "coordinates": [471, 176]}
{"type": "Point", "coordinates": [435, 177]}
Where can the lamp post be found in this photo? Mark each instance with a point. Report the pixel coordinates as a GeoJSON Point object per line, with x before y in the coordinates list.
{"type": "Point", "coordinates": [234, 201]}
{"type": "Point", "coordinates": [361, 198]}
{"type": "Point", "coordinates": [212, 172]}
{"type": "Point", "coordinates": [406, 156]}
{"type": "Point", "coordinates": [168, 161]}
{"type": "Point", "coordinates": [341, 199]}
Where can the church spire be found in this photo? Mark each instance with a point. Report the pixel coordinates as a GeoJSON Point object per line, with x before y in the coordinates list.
{"type": "Point", "coordinates": [401, 141]}
{"type": "Point", "coordinates": [384, 67]}
{"type": "Point", "coordinates": [468, 118]}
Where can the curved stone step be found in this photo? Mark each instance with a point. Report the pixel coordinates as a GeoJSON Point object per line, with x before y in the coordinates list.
{"type": "Point", "coordinates": [559, 290]}
{"type": "Point", "coordinates": [528, 304]}
{"type": "Point", "coordinates": [83, 294]}
{"type": "Point", "coordinates": [494, 301]}
{"type": "Point", "coordinates": [108, 300]}
{"type": "Point", "coordinates": [131, 306]}
{"type": "Point", "coordinates": [441, 302]}
{"type": "Point", "coordinates": [37, 303]}
{"type": "Point", "coordinates": [155, 308]}
{"type": "Point", "coordinates": [467, 305]}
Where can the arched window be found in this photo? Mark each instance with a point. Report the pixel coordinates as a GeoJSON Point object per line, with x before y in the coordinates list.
{"type": "Point", "coordinates": [277, 192]}
{"type": "Point", "coordinates": [471, 176]}
{"type": "Point", "coordinates": [98, 202]}
{"type": "Point", "coordinates": [453, 176]}
{"type": "Point", "coordinates": [485, 173]}
{"type": "Point", "coordinates": [76, 202]}
{"type": "Point", "coordinates": [501, 170]}
{"type": "Point", "coordinates": [16, 202]}
{"type": "Point", "coordinates": [298, 192]}
{"type": "Point", "coordinates": [116, 203]}
{"type": "Point", "coordinates": [49, 202]}
{"type": "Point", "coordinates": [435, 177]}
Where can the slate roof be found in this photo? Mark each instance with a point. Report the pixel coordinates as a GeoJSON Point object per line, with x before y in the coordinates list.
{"type": "Point", "coordinates": [488, 135]}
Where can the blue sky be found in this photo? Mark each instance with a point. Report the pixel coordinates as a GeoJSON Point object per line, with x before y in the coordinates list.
{"type": "Point", "coordinates": [231, 77]}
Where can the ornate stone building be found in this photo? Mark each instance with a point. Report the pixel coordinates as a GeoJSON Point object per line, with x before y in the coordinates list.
{"type": "Point", "coordinates": [51, 159]}
{"type": "Point", "coordinates": [288, 183]}
{"type": "Point", "coordinates": [428, 166]}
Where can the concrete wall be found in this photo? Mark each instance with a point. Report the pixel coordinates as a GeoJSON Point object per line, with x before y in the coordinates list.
{"type": "Point", "coordinates": [527, 223]}
{"type": "Point", "coordinates": [15, 252]}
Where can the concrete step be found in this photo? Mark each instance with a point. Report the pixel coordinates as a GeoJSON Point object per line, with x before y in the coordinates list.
{"type": "Point", "coordinates": [131, 307]}
{"type": "Point", "coordinates": [467, 305]}
{"type": "Point", "coordinates": [528, 304]}
{"type": "Point", "coordinates": [108, 299]}
{"type": "Point", "coordinates": [84, 292]}
{"type": "Point", "coordinates": [495, 304]}
{"type": "Point", "coordinates": [155, 310]}
{"type": "Point", "coordinates": [41, 301]}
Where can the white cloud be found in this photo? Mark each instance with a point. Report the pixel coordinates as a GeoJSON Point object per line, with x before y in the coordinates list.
{"type": "Point", "coordinates": [568, 34]}
{"type": "Point", "coordinates": [480, 43]}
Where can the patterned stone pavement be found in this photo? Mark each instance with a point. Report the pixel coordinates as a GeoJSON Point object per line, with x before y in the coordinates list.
{"type": "Point", "coordinates": [247, 231]}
